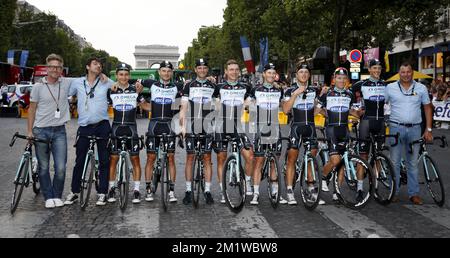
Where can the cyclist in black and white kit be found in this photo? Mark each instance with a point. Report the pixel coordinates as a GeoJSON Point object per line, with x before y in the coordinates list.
{"type": "Point", "coordinates": [124, 101]}
{"type": "Point", "coordinates": [338, 104]}
{"type": "Point", "coordinates": [232, 97]}
{"type": "Point", "coordinates": [372, 96]}
{"type": "Point", "coordinates": [300, 100]}
{"type": "Point", "coordinates": [267, 98]}
{"type": "Point", "coordinates": [198, 97]}
{"type": "Point", "coordinates": [163, 94]}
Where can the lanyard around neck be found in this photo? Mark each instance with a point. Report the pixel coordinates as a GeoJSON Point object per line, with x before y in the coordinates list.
{"type": "Point", "coordinates": [53, 97]}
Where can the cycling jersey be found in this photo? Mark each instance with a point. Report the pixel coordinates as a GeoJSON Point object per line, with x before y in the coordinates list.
{"type": "Point", "coordinates": [303, 109]}
{"type": "Point", "coordinates": [373, 98]}
{"type": "Point", "coordinates": [124, 102]}
{"type": "Point", "coordinates": [338, 104]}
{"type": "Point", "coordinates": [268, 99]}
{"type": "Point", "coordinates": [232, 98]}
{"type": "Point", "coordinates": [200, 94]}
{"type": "Point", "coordinates": [162, 97]}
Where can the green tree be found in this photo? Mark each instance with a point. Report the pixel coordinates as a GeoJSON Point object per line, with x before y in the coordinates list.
{"type": "Point", "coordinates": [417, 19]}
{"type": "Point", "coordinates": [7, 13]}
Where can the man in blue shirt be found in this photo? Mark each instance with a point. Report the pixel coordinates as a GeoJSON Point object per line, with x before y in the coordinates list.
{"type": "Point", "coordinates": [406, 98]}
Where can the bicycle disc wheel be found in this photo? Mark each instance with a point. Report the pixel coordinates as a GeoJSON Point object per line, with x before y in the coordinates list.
{"type": "Point", "coordinates": [124, 183]}
{"type": "Point", "coordinates": [346, 183]}
{"type": "Point", "coordinates": [19, 184]}
{"type": "Point", "coordinates": [273, 180]}
{"type": "Point", "coordinates": [165, 188]}
{"type": "Point", "coordinates": [86, 182]}
{"type": "Point", "coordinates": [233, 184]}
{"type": "Point", "coordinates": [433, 180]}
{"type": "Point", "coordinates": [310, 183]}
{"type": "Point", "coordinates": [35, 176]}
{"type": "Point", "coordinates": [385, 184]}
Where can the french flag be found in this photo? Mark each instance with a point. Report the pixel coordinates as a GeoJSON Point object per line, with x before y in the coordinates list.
{"type": "Point", "coordinates": [247, 55]}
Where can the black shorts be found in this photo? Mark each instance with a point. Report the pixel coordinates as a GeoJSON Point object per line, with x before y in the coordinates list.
{"type": "Point", "coordinates": [338, 138]}
{"type": "Point", "coordinates": [369, 127]}
{"type": "Point", "coordinates": [263, 142]}
{"type": "Point", "coordinates": [125, 130]}
{"type": "Point", "coordinates": [301, 131]}
{"type": "Point", "coordinates": [206, 145]}
{"type": "Point", "coordinates": [159, 128]}
{"type": "Point", "coordinates": [220, 144]}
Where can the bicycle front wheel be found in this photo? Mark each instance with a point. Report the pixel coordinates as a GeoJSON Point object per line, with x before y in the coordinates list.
{"type": "Point", "coordinates": [310, 183]}
{"type": "Point", "coordinates": [86, 182]}
{"type": "Point", "coordinates": [19, 183]}
{"type": "Point", "coordinates": [385, 184]}
{"type": "Point", "coordinates": [165, 184]}
{"type": "Point", "coordinates": [35, 176]}
{"type": "Point", "coordinates": [199, 181]}
{"type": "Point", "coordinates": [433, 180]}
{"type": "Point", "coordinates": [124, 183]}
{"type": "Point", "coordinates": [354, 182]}
{"type": "Point", "coordinates": [233, 184]}
{"type": "Point", "coordinates": [273, 180]}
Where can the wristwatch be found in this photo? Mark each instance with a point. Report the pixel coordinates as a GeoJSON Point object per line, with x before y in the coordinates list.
{"type": "Point", "coordinates": [430, 130]}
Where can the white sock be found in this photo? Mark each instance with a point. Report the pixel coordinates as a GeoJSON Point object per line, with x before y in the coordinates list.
{"type": "Point", "coordinates": [188, 186]}
{"type": "Point", "coordinates": [256, 189]}
{"type": "Point", "coordinates": [310, 188]}
{"type": "Point", "coordinates": [221, 188]}
{"type": "Point", "coordinates": [112, 184]}
{"type": "Point", "coordinates": [248, 179]}
{"type": "Point", "coordinates": [207, 187]}
{"type": "Point", "coordinates": [360, 185]}
{"type": "Point", "coordinates": [290, 188]}
{"type": "Point", "coordinates": [137, 185]}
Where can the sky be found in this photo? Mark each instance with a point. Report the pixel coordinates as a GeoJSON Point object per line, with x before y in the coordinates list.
{"type": "Point", "coordinates": [117, 26]}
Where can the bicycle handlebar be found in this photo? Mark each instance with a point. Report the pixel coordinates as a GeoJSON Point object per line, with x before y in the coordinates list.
{"type": "Point", "coordinates": [422, 141]}
{"type": "Point", "coordinates": [33, 139]}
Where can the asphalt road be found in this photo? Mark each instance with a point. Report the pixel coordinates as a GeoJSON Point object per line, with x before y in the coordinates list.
{"type": "Point", "coordinates": [149, 220]}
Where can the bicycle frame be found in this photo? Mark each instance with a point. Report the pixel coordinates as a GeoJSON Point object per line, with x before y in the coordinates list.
{"type": "Point", "coordinates": [27, 155]}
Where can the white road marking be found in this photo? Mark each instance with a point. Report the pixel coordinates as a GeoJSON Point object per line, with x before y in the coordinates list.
{"type": "Point", "coordinates": [251, 223]}
{"type": "Point", "coordinates": [146, 221]}
{"type": "Point", "coordinates": [23, 224]}
{"type": "Point", "coordinates": [438, 215]}
{"type": "Point", "coordinates": [355, 224]}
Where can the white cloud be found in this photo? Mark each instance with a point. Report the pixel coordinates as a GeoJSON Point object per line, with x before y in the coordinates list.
{"type": "Point", "coordinates": [117, 26]}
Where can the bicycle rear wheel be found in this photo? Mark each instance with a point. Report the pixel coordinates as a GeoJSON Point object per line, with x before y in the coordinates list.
{"type": "Point", "coordinates": [310, 183]}
{"type": "Point", "coordinates": [385, 184]}
{"type": "Point", "coordinates": [19, 183]}
{"type": "Point", "coordinates": [273, 180]}
{"type": "Point", "coordinates": [35, 176]}
{"type": "Point", "coordinates": [346, 183]}
{"type": "Point", "coordinates": [165, 184]}
{"type": "Point", "coordinates": [433, 180]}
{"type": "Point", "coordinates": [233, 184]}
{"type": "Point", "coordinates": [124, 183]}
{"type": "Point", "coordinates": [86, 182]}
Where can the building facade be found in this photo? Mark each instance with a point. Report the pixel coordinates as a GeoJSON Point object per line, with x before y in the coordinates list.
{"type": "Point", "coordinates": [433, 53]}
{"type": "Point", "coordinates": [147, 56]}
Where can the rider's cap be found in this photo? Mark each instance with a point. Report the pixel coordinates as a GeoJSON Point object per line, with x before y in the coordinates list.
{"type": "Point", "coordinates": [166, 64]}
{"type": "Point", "coordinates": [374, 62]}
{"type": "Point", "coordinates": [269, 66]}
{"type": "Point", "coordinates": [341, 71]}
{"type": "Point", "coordinates": [201, 62]}
{"type": "Point", "coordinates": [123, 67]}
